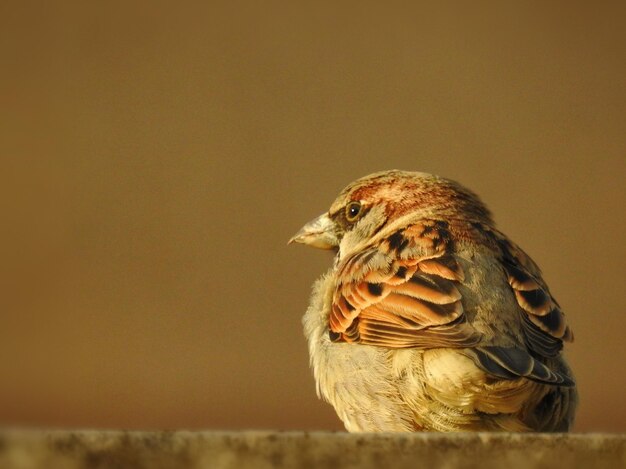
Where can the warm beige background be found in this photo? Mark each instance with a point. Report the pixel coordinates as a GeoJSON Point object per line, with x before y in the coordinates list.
{"type": "Point", "coordinates": [156, 158]}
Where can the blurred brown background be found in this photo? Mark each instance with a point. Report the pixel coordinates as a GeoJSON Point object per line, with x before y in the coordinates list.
{"type": "Point", "coordinates": [156, 158]}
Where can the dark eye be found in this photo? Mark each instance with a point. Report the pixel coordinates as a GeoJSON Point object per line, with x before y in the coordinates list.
{"type": "Point", "coordinates": [353, 210]}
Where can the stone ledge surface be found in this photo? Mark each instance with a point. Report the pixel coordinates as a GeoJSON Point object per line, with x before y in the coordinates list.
{"type": "Point", "coordinates": [25, 449]}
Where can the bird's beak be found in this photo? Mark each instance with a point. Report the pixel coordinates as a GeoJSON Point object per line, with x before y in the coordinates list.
{"type": "Point", "coordinates": [318, 233]}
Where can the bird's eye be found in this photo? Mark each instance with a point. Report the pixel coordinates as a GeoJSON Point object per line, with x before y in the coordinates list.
{"type": "Point", "coordinates": [353, 210]}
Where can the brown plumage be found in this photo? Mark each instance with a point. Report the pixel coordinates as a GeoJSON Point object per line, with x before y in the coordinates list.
{"type": "Point", "coordinates": [430, 318]}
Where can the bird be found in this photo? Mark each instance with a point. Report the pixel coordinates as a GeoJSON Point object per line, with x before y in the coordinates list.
{"type": "Point", "coordinates": [430, 318]}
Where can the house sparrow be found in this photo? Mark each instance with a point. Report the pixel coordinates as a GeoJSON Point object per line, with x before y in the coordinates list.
{"type": "Point", "coordinates": [430, 318]}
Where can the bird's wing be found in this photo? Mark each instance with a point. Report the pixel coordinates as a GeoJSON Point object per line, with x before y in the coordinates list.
{"type": "Point", "coordinates": [545, 327]}
{"type": "Point", "coordinates": [402, 293]}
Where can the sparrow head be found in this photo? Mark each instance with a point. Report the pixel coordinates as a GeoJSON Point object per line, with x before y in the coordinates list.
{"type": "Point", "coordinates": [369, 205]}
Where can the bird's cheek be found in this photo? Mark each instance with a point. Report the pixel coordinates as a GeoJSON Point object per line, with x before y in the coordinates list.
{"type": "Point", "coordinates": [349, 244]}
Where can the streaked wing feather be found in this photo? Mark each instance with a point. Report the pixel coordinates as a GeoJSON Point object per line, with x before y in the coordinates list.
{"type": "Point", "coordinates": [544, 323]}
{"type": "Point", "coordinates": [511, 363]}
{"type": "Point", "coordinates": [405, 294]}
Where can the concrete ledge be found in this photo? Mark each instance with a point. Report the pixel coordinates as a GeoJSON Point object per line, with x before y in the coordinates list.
{"type": "Point", "coordinates": [216, 450]}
